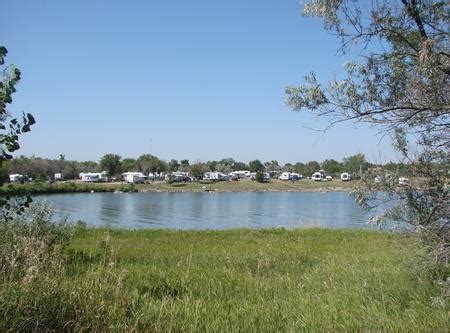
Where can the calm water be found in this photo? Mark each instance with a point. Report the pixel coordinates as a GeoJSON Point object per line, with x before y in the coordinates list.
{"type": "Point", "coordinates": [210, 210]}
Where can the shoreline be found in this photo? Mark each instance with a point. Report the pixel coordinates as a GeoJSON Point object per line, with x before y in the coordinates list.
{"type": "Point", "coordinates": [335, 189]}
{"type": "Point", "coordinates": [163, 187]}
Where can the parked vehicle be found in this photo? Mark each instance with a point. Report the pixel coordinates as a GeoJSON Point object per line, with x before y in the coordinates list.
{"type": "Point", "coordinates": [345, 176]}
{"type": "Point", "coordinates": [59, 176]}
{"type": "Point", "coordinates": [93, 177]}
{"type": "Point", "coordinates": [328, 178]}
{"type": "Point", "coordinates": [318, 176]}
{"type": "Point", "coordinates": [403, 181]}
{"type": "Point", "coordinates": [295, 176]}
{"type": "Point", "coordinates": [16, 178]}
{"type": "Point", "coordinates": [240, 174]}
{"type": "Point", "coordinates": [285, 176]}
{"type": "Point", "coordinates": [215, 176]}
{"type": "Point", "coordinates": [134, 177]}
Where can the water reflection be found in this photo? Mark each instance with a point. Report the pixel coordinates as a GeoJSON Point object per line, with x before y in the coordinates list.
{"type": "Point", "coordinates": [211, 210]}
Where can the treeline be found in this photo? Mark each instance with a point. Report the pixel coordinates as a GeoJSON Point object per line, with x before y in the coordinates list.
{"type": "Point", "coordinates": [43, 169]}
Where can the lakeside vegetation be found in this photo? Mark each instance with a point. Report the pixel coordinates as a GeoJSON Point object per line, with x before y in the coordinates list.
{"type": "Point", "coordinates": [161, 186]}
{"type": "Point", "coordinates": [235, 280]}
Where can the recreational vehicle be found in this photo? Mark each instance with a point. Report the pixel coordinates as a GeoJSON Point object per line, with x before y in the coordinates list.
{"type": "Point", "coordinates": [215, 176]}
{"type": "Point", "coordinates": [16, 178]}
{"type": "Point", "coordinates": [345, 176]}
{"type": "Point", "coordinates": [285, 176]}
{"type": "Point", "coordinates": [134, 177]}
{"type": "Point", "coordinates": [318, 176]}
{"type": "Point", "coordinates": [240, 174]}
{"type": "Point", "coordinates": [94, 177]}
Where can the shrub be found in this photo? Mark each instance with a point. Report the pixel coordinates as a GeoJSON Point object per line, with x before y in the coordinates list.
{"type": "Point", "coordinates": [30, 242]}
{"type": "Point", "coordinates": [259, 177]}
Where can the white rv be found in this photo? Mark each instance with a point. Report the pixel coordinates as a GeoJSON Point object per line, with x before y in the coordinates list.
{"type": "Point", "coordinates": [134, 177]}
{"type": "Point", "coordinates": [215, 176]}
{"type": "Point", "coordinates": [240, 174]}
{"type": "Point", "coordinates": [93, 177]}
{"type": "Point", "coordinates": [285, 176]}
{"type": "Point", "coordinates": [15, 178]}
{"type": "Point", "coordinates": [59, 176]}
{"type": "Point", "coordinates": [318, 176]}
{"type": "Point", "coordinates": [345, 176]}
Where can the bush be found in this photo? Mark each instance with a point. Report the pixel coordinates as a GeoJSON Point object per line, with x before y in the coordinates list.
{"type": "Point", "coordinates": [37, 290]}
{"type": "Point", "coordinates": [30, 242]}
{"type": "Point", "coordinates": [259, 177]}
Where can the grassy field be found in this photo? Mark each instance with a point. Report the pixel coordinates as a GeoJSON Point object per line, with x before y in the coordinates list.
{"type": "Point", "coordinates": [238, 186]}
{"type": "Point", "coordinates": [248, 185]}
{"type": "Point", "coordinates": [240, 280]}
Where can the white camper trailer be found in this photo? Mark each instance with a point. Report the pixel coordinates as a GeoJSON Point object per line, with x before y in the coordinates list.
{"type": "Point", "coordinates": [240, 174]}
{"type": "Point", "coordinates": [345, 176]}
{"type": "Point", "coordinates": [134, 177]}
{"type": "Point", "coordinates": [318, 176]}
{"type": "Point", "coordinates": [285, 176]}
{"type": "Point", "coordinates": [16, 178]}
{"type": "Point", "coordinates": [94, 177]}
{"type": "Point", "coordinates": [216, 176]}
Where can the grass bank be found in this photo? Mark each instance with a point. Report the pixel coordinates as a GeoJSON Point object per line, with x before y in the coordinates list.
{"type": "Point", "coordinates": [239, 280]}
{"type": "Point", "coordinates": [239, 186]}
{"type": "Point", "coordinates": [63, 187]}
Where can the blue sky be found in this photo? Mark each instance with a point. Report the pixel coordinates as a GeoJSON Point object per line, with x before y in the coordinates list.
{"type": "Point", "coordinates": [200, 80]}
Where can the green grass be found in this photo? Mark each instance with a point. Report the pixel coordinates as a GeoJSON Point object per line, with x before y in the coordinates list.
{"type": "Point", "coordinates": [62, 187]}
{"type": "Point", "coordinates": [247, 280]}
{"type": "Point", "coordinates": [248, 185]}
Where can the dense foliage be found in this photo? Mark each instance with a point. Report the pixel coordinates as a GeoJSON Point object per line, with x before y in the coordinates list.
{"type": "Point", "coordinates": [396, 80]}
{"type": "Point", "coordinates": [10, 127]}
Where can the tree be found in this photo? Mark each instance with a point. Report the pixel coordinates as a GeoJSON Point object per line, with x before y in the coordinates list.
{"type": "Point", "coordinates": [184, 165]}
{"type": "Point", "coordinates": [211, 165]}
{"type": "Point", "coordinates": [147, 163]}
{"type": "Point", "coordinates": [256, 166]}
{"type": "Point", "coordinates": [62, 159]}
{"type": "Point", "coordinates": [89, 166]}
{"type": "Point", "coordinates": [238, 166]}
{"type": "Point", "coordinates": [111, 164]}
{"type": "Point", "coordinates": [355, 164]}
{"type": "Point", "coordinates": [272, 166]}
{"type": "Point", "coordinates": [173, 165]}
{"type": "Point", "coordinates": [129, 164]}
{"type": "Point", "coordinates": [331, 166]}
{"type": "Point", "coordinates": [311, 167]}
{"type": "Point", "coordinates": [300, 168]}
{"type": "Point", "coordinates": [10, 128]}
{"type": "Point", "coordinates": [397, 81]}
{"type": "Point", "coordinates": [225, 165]}
{"type": "Point", "coordinates": [259, 177]}
{"type": "Point", "coordinates": [197, 170]}
{"type": "Point", "coordinates": [288, 167]}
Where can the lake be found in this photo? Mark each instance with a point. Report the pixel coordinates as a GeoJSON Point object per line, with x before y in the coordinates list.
{"type": "Point", "coordinates": [205, 210]}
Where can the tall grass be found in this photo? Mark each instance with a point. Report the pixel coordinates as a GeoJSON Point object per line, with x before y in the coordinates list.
{"type": "Point", "coordinates": [238, 280]}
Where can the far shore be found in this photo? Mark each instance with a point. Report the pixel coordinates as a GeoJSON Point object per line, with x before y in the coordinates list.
{"type": "Point", "coordinates": [245, 185]}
